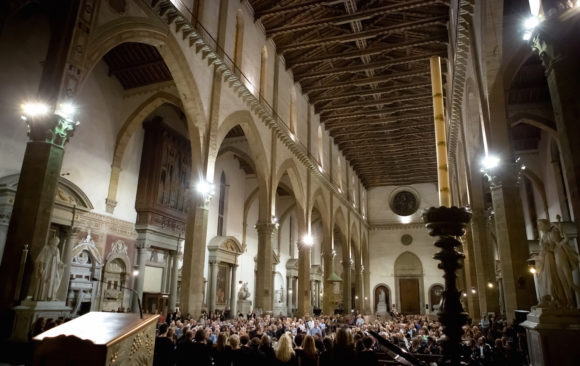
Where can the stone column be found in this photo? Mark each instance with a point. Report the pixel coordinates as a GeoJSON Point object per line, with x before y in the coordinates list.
{"type": "Point", "coordinates": [518, 284]}
{"type": "Point", "coordinates": [192, 281]}
{"type": "Point", "coordinates": [367, 294]}
{"type": "Point", "coordinates": [295, 292]}
{"type": "Point", "coordinates": [140, 279]}
{"type": "Point", "coordinates": [318, 297]}
{"type": "Point", "coordinates": [173, 286]}
{"type": "Point", "coordinates": [233, 307]}
{"type": "Point", "coordinates": [71, 236]}
{"type": "Point", "coordinates": [328, 286]}
{"type": "Point", "coordinates": [313, 292]}
{"type": "Point", "coordinates": [213, 267]}
{"type": "Point", "coordinates": [41, 165]}
{"type": "Point", "coordinates": [484, 263]}
{"type": "Point", "coordinates": [358, 288]}
{"type": "Point", "coordinates": [346, 286]}
{"type": "Point", "coordinates": [289, 294]}
{"type": "Point", "coordinates": [304, 289]}
{"type": "Point", "coordinates": [470, 276]}
{"type": "Point", "coordinates": [556, 43]}
{"type": "Point", "coordinates": [264, 279]}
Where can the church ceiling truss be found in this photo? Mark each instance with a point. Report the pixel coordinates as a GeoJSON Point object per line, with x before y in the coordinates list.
{"type": "Point", "coordinates": [365, 67]}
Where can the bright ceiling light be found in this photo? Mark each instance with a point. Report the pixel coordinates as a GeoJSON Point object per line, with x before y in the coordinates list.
{"type": "Point", "coordinates": [204, 187]}
{"type": "Point", "coordinates": [67, 111]}
{"type": "Point", "coordinates": [490, 162]}
{"type": "Point", "coordinates": [405, 219]}
{"type": "Point", "coordinates": [531, 23]}
{"type": "Point", "coordinates": [34, 109]}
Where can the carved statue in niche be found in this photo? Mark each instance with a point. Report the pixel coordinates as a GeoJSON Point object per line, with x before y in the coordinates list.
{"type": "Point", "coordinates": [48, 270]}
{"type": "Point", "coordinates": [244, 293]}
{"type": "Point", "coordinates": [555, 264]}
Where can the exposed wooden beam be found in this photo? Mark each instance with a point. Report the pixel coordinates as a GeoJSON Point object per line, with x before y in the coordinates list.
{"type": "Point", "coordinates": [417, 163]}
{"type": "Point", "coordinates": [358, 68]}
{"type": "Point", "coordinates": [397, 153]}
{"type": "Point", "coordinates": [365, 81]}
{"type": "Point", "coordinates": [380, 137]}
{"type": "Point", "coordinates": [347, 55]}
{"type": "Point", "coordinates": [386, 151]}
{"type": "Point", "coordinates": [352, 37]}
{"type": "Point", "coordinates": [137, 66]}
{"type": "Point", "coordinates": [361, 15]}
{"type": "Point", "coordinates": [372, 103]}
{"type": "Point", "coordinates": [331, 126]}
{"type": "Point", "coordinates": [366, 114]}
{"type": "Point", "coordinates": [363, 130]}
{"type": "Point", "coordinates": [378, 91]}
{"type": "Point", "coordinates": [378, 147]}
{"type": "Point", "coordinates": [306, 5]}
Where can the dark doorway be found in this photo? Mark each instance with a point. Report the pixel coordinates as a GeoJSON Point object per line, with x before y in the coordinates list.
{"type": "Point", "coordinates": [409, 290]}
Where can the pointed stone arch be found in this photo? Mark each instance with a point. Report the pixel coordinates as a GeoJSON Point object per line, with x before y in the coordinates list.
{"type": "Point", "coordinates": [147, 31]}
{"type": "Point", "coordinates": [289, 167]}
{"type": "Point", "coordinates": [132, 123]}
{"type": "Point", "coordinates": [319, 200]}
{"type": "Point", "coordinates": [258, 154]}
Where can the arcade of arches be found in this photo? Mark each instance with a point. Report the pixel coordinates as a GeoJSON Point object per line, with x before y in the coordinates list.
{"type": "Point", "coordinates": [212, 171]}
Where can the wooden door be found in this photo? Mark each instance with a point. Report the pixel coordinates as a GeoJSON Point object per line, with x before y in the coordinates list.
{"type": "Point", "coordinates": [409, 290]}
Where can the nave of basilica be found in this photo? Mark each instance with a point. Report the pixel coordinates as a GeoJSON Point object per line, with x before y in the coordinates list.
{"type": "Point", "coordinates": [276, 157]}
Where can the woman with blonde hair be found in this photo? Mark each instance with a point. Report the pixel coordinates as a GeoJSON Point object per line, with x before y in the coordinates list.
{"type": "Point", "coordinates": [285, 354]}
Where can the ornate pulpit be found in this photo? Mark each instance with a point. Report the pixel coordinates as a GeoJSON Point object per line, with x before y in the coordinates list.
{"type": "Point", "coordinates": [96, 339]}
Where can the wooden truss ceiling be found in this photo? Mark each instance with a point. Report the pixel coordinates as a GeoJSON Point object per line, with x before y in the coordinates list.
{"type": "Point", "coordinates": [364, 65]}
{"type": "Point", "coordinates": [136, 64]}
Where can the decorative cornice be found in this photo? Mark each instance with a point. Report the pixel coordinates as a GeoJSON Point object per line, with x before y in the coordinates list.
{"type": "Point", "coordinates": [462, 47]}
{"type": "Point", "coordinates": [172, 16]}
{"type": "Point", "coordinates": [397, 226]}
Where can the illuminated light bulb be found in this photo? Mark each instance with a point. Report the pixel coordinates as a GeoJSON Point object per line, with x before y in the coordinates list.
{"type": "Point", "coordinates": [204, 187]}
{"type": "Point", "coordinates": [34, 109]}
{"type": "Point", "coordinates": [490, 284]}
{"type": "Point", "coordinates": [531, 23]}
{"type": "Point", "coordinates": [308, 240]}
{"type": "Point", "coordinates": [135, 273]}
{"type": "Point", "coordinates": [67, 111]}
{"type": "Point", "coordinates": [532, 270]}
{"type": "Point", "coordinates": [490, 162]}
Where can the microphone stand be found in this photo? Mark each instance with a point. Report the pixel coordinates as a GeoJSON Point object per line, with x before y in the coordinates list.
{"type": "Point", "coordinates": [125, 288]}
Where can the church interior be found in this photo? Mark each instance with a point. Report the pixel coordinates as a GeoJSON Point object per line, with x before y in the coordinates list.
{"type": "Point", "coordinates": [278, 157]}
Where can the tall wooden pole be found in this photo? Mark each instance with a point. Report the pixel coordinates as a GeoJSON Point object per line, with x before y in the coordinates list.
{"type": "Point", "coordinates": [440, 133]}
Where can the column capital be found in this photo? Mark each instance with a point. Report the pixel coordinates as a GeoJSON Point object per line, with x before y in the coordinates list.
{"type": "Point", "coordinates": [551, 39]}
{"type": "Point", "coordinates": [141, 244]}
{"type": "Point", "coordinates": [265, 227]}
{"type": "Point", "coordinates": [329, 254]}
{"type": "Point", "coordinates": [506, 174]}
{"type": "Point", "coordinates": [51, 128]}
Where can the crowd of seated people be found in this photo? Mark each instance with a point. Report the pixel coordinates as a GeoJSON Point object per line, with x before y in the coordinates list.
{"type": "Point", "coordinates": [323, 340]}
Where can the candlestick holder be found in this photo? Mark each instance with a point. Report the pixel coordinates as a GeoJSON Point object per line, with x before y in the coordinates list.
{"type": "Point", "coordinates": [448, 223]}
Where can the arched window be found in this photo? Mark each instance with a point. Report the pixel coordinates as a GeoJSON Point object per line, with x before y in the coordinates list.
{"type": "Point", "coordinates": [320, 150]}
{"type": "Point", "coordinates": [291, 238]}
{"type": "Point", "coordinates": [339, 173]}
{"type": "Point", "coordinates": [221, 206]}
{"type": "Point", "coordinates": [263, 73]}
{"type": "Point", "coordinates": [293, 110]}
{"type": "Point", "coordinates": [238, 42]}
